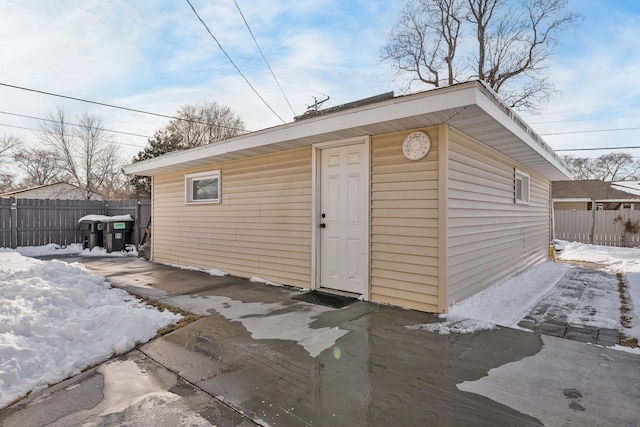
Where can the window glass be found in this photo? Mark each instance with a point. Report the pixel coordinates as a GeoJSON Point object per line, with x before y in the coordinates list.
{"type": "Point", "coordinates": [202, 187]}
{"type": "Point", "coordinates": [522, 187]}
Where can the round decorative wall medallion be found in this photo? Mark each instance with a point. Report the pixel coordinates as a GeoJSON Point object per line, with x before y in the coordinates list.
{"type": "Point", "coordinates": [416, 145]}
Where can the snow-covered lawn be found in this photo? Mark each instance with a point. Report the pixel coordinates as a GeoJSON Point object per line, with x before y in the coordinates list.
{"type": "Point", "coordinates": [508, 302]}
{"type": "Point", "coordinates": [57, 319]}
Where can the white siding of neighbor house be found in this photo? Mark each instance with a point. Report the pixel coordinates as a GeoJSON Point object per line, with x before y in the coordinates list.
{"type": "Point", "coordinates": [404, 224]}
{"type": "Point", "coordinates": [489, 236]}
{"type": "Point", "coordinates": [261, 227]}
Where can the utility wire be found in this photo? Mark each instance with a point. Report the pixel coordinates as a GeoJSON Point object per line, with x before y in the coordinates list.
{"type": "Point", "coordinates": [631, 147]}
{"type": "Point", "coordinates": [588, 131]}
{"type": "Point", "coordinates": [73, 124]}
{"type": "Point", "coordinates": [233, 63]}
{"type": "Point", "coordinates": [44, 131]}
{"type": "Point", "coordinates": [263, 57]}
{"type": "Point", "coordinates": [120, 107]}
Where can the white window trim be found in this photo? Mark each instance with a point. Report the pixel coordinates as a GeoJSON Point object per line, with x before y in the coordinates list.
{"type": "Point", "coordinates": [188, 187]}
{"type": "Point", "coordinates": [525, 178]}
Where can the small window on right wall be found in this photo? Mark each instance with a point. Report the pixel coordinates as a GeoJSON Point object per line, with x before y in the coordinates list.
{"type": "Point", "coordinates": [522, 187]}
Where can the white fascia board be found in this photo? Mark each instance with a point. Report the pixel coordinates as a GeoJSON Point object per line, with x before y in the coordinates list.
{"type": "Point", "coordinates": [396, 108]}
{"type": "Point", "coordinates": [509, 121]}
{"type": "Point", "coordinates": [572, 200]}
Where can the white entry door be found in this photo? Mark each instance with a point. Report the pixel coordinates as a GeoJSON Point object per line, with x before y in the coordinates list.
{"type": "Point", "coordinates": [344, 248]}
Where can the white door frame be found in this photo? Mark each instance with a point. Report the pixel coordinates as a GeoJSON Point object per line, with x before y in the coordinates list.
{"type": "Point", "coordinates": [315, 206]}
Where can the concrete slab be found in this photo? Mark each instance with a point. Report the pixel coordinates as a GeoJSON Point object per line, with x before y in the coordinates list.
{"type": "Point", "coordinates": [260, 357]}
{"type": "Point", "coordinates": [100, 397]}
{"type": "Point", "coordinates": [582, 334]}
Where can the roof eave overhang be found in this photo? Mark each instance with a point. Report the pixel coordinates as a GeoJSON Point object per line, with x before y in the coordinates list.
{"type": "Point", "coordinates": [470, 107]}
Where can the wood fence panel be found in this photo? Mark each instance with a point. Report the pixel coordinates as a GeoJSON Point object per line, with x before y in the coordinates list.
{"type": "Point", "coordinates": [37, 222]}
{"type": "Point", "coordinates": [5, 223]}
{"type": "Point", "coordinates": [612, 228]}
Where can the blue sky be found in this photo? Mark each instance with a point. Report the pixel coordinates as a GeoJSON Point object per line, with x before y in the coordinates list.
{"type": "Point", "coordinates": [155, 55]}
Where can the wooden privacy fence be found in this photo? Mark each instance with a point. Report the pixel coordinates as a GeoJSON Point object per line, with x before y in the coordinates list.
{"type": "Point", "coordinates": [608, 228]}
{"type": "Point", "coordinates": [37, 222]}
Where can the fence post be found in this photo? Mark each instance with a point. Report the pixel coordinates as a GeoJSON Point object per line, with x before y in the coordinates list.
{"type": "Point", "coordinates": [593, 222]}
{"type": "Point", "coordinates": [14, 223]}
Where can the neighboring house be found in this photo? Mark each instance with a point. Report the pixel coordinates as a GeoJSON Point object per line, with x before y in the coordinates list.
{"type": "Point", "coordinates": [584, 194]}
{"type": "Point", "coordinates": [417, 201]}
{"type": "Point", "coordinates": [59, 190]}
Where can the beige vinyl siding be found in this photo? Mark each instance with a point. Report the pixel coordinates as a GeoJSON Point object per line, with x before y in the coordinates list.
{"type": "Point", "coordinates": [404, 224]}
{"type": "Point", "coordinates": [260, 228]}
{"type": "Point", "coordinates": [489, 236]}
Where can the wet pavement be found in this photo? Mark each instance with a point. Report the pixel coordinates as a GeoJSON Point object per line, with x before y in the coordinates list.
{"type": "Point", "coordinates": [258, 357]}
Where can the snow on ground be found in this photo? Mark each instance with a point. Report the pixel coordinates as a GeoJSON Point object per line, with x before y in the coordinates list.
{"type": "Point", "coordinates": [508, 302]}
{"type": "Point", "coordinates": [73, 249]}
{"type": "Point", "coordinates": [57, 318]}
{"type": "Point", "coordinates": [268, 320]}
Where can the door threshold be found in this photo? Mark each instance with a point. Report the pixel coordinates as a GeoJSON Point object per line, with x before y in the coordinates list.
{"type": "Point", "coordinates": [339, 293]}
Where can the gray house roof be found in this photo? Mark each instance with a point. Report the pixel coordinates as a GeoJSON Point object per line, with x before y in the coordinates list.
{"type": "Point", "coordinates": [472, 108]}
{"type": "Point", "coordinates": [591, 189]}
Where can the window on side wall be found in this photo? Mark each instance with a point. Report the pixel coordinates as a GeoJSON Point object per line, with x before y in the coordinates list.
{"type": "Point", "coordinates": [203, 187]}
{"type": "Point", "coordinates": [522, 187]}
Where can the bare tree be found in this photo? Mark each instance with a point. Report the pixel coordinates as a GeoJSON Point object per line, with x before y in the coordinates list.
{"type": "Point", "coordinates": [86, 155]}
{"type": "Point", "coordinates": [202, 124]}
{"type": "Point", "coordinates": [8, 145]}
{"type": "Point", "coordinates": [199, 124]}
{"type": "Point", "coordinates": [41, 166]}
{"type": "Point", "coordinates": [608, 167]}
{"type": "Point", "coordinates": [509, 47]}
{"type": "Point", "coordinates": [424, 42]}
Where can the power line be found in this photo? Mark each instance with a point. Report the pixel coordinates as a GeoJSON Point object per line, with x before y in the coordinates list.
{"type": "Point", "coordinates": [43, 131]}
{"type": "Point", "coordinates": [120, 107]}
{"type": "Point", "coordinates": [73, 124]}
{"type": "Point", "coordinates": [233, 63]}
{"type": "Point", "coordinates": [588, 131]}
{"type": "Point", "coordinates": [591, 119]}
{"type": "Point", "coordinates": [631, 147]}
{"type": "Point", "coordinates": [263, 57]}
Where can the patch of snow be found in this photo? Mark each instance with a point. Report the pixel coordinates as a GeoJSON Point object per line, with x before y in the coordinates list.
{"type": "Point", "coordinates": [506, 303]}
{"type": "Point", "coordinates": [212, 272]}
{"type": "Point", "coordinates": [268, 320]}
{"type": "Point", "coordinates": [54, 249]}
{"type": "Point", "coordinates": [256, 279]}
{"type": "Point", "coordinates": [132, 398]}
{"type": "Point", "coordinates": [626, 349]}
{"type": "Point", "coordinates": [455, 325]}
{"type": "Point", "coordinates": [617, 260]}
{"type": "Point", "coordinates": [57, 318]}
{"type": "Point", "coordinates": [551, 371]}
{"type": "Point", "coordinates": [216, 272]}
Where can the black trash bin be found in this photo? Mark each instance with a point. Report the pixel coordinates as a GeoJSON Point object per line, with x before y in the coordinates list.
{"type": "Point", "coordinates": [117, 234]}
{"type": "Point", "coordinates": [92, 235]}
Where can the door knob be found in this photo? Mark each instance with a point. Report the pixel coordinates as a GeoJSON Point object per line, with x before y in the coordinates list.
{"type": "Point", "coordinates": [323, 225]}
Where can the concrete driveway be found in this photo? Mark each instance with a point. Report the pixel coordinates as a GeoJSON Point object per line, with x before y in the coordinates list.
{"type": "Point", "coordinates": [258, 357]}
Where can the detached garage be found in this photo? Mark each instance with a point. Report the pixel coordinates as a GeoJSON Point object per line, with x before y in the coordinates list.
{"type": "Point", "coordinates": [417, 201]}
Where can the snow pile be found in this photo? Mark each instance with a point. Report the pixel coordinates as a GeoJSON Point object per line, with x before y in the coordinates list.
{"type": "Point", "coordinates": [508, 302]}
{"type": "Point", "coordinates": [504, 304]}
{"type": "Point", "coordinates": [57, 318]}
